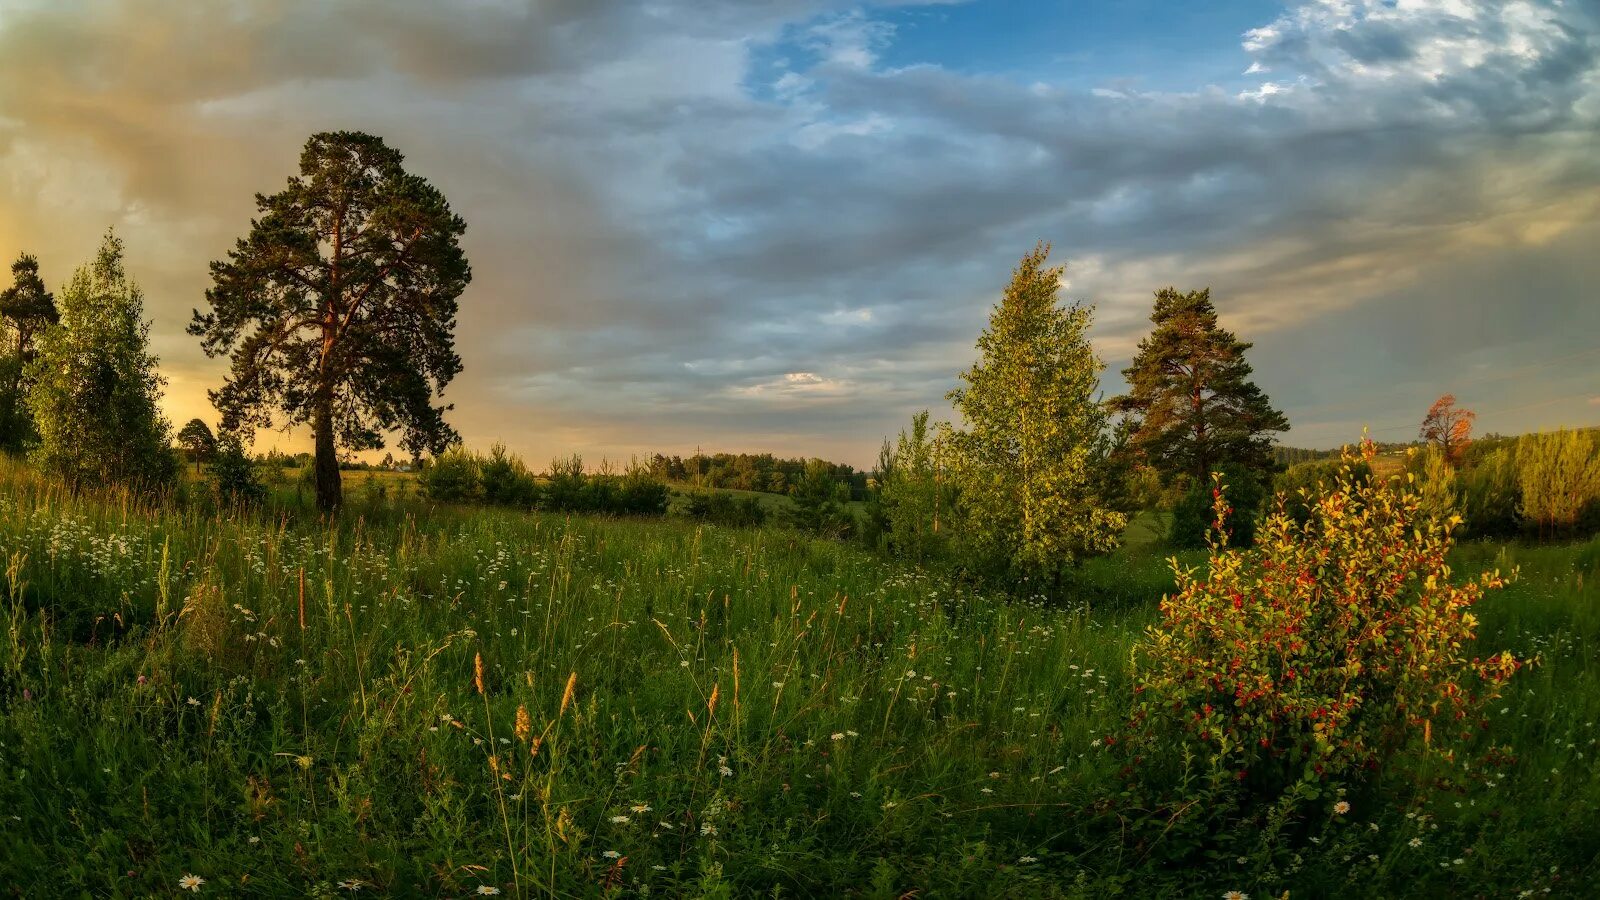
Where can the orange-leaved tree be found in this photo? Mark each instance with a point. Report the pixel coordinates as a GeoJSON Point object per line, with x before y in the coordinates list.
{"type": "Point", "coordinates": [1449, 427]}
{"type": "Point", "coordinates": [1292, 667]}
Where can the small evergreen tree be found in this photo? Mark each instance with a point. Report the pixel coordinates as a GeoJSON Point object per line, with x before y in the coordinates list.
{"type": "Point", "coordinates": [26, 310]}
{"type": "Point", "coordinates": [1024, 461]}
{"type": "Point", "coordinates": [1190, 398]}
{"type": "Point", "coordinates": [913, 495]}
{"type": "Point", "coordinates": [820, 502]}
{"type": "Point", "coordinates": [95, 389]}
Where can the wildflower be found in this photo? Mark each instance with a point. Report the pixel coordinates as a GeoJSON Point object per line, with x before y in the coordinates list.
{"type": "Point", "coordinates": [1341, 808]}
{"type": "Point", "coordinates": [620, 820]}
{"type": "Point", "coordinates": [640, 808]}
{"type": "Point", "coordinates": [611, 854]}
{"type": "Point", "coordinates": [191, 883]}
{"type": "Point", "coordinates": [1414, 842]}
{"type": "Point", "coordinates": [254, 839]}
{"type": "Point", "coordinates": [193, 702]}
{"type": "Point", "coordinates": [352, 884]}
{"type": "Point", "coordinates": [838, 735]}
{"type": "Point", "coordinates": [1235, 895]}
{"type": "Point", "coordinates": [486, 890]}
{"type": "Point", "coordinates": [1027, 859]}
{"type": "Point", "coordinates": [708, 830]}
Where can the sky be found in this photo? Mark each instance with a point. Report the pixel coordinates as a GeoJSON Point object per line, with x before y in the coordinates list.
{"type": "Point", "coordinates": [779, 225]}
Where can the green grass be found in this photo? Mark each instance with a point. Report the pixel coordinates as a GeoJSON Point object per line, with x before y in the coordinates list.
{"type": "Point", "coordinates": [277, 706]}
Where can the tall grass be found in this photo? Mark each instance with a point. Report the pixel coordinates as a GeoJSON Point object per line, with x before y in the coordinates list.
{"type": "Point", "coordinates": [425, 701]}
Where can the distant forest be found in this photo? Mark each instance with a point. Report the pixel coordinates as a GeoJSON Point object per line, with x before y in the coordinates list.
{"type": "Point", "coordinates": [751, 472]}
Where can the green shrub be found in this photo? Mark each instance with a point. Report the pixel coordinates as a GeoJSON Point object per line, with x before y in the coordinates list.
{"type": "Point", "coordinates": [452, 477]}
{"type": "Point", "coordinates": [234, 474]}
{"type": "Point", "coordinates": [505, 480]}
{"type": "Point", "coordinates": [1192, 518]}
{"type": "Point", "coordinates": [640, 493]}
{"type": "Point", "coordinates": [1490, 496]}
{"type": "Point", "coordinates": [723, 508]}
{"type": "Point", "coordinates": [564, 490]}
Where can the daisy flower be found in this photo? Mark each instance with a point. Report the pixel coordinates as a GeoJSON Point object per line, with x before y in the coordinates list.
{"type": "Point", "coordinates": [191, 883]}
{"type": "Point", "coordinates": [486, 890]}
{"type": "Point", "coordinates": [1235, 895]}
{"type": "Point", "coordinates": [1341, 808]}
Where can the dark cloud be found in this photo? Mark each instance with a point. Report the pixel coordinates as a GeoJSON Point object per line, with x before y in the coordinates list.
{"type": "Point", "coordinates": [667, 254]}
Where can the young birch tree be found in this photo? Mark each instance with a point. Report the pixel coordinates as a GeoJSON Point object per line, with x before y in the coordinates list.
{"type": "Point", "coordinates": [1024, 460]}
{"type": "Point", "coordinates": [95, 390]}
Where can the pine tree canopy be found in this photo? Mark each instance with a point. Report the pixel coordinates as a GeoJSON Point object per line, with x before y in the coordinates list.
{"type": "Point", "coordinates": [339, 307]}
{"type": "Point", "coordinates": [1190, 399]}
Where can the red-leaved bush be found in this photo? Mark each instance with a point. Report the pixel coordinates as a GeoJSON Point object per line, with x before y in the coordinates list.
{"type": "Point", "coordinates": [1328, 646]}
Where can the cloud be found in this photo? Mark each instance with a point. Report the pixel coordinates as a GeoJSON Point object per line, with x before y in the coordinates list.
{"type": "Point", "coordinates": [667, 232]}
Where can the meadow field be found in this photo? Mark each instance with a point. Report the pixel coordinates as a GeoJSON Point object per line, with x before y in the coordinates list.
{"type": "Point", "coordinates": [425, 700]}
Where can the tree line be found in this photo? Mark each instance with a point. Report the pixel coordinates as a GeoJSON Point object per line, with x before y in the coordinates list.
{"type": "Point", "coordinates": [753, 472]}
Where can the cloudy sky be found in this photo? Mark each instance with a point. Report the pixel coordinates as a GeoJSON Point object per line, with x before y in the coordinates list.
{"type": "Point", "coordinates": [779, 224]}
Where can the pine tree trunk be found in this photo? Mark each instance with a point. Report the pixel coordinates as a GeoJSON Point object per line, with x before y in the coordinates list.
{"type": "Point", "coordinates": [326, 466]}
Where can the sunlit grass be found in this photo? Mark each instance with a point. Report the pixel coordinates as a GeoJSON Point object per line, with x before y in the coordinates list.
{"type": "Point", "coordinates": [278, 707]}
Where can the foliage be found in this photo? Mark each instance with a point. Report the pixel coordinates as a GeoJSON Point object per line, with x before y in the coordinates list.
{"type": "Point", "coordinates": [1491, 496]}
{"type": "Point", "coordinates": [1558, 475]}
{"type": "Point", "coordinates": [1299, 487]}
{"type": "Point", "coordinates": [1312, 660]}
{"type": "Point", "coordinates": [505, 480]}
{"type": "Point", "coordinates": [197, 441]}
{"type": "Point", "coordinates": [338, 309]}
{"type": "Point", "coordinates": [1435, 480]}
{"type": "Point", "coordinates": [916, 495]}
{"type": "Point", "coordinates": [233, 472]}
{"type": "Point", "coordinates": [95, 389]}
{"type": "Point", "coordinates": [641, 493]}
{"type": "Point", "coordinates": [723, 508]}
{"type": "Point", "coordinates": [1190, 398]}
{"type": "Point", "coordinates": [748, 472]}
{"type": "Point", "coordinates": [453, 476]}
{"type": "Point", "coordinates": [1193, 517]}
{"type": "Point", "coordinates": [1448, 427]}
{"type": "Point", "coordinates": [821, 503]}
{"type": "Point", "coordinates": [26, 310]}
{"type": "Point", "coordinates": [1024, 462]}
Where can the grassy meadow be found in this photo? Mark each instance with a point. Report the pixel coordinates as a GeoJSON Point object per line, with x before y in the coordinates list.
{"type": "Point", "coordinates": [439, 702]}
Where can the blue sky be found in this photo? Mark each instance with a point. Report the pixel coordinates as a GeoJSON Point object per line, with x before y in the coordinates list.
{"type": "Point", "coordinates": [780, 225]}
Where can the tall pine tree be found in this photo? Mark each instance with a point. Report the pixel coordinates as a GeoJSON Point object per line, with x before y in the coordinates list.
{"type": "Point", "coordinates": [95, 390]}
{"type": "Point", "coordinates": [1025, 459]}
{"type": "Point", "coordinates": [1191, 404]}
{"type": "Point", "coordinates": [338, 310]}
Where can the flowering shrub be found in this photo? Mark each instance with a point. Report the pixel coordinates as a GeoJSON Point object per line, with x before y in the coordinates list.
{"type": "Point", "coordinates": [1328, 646]}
